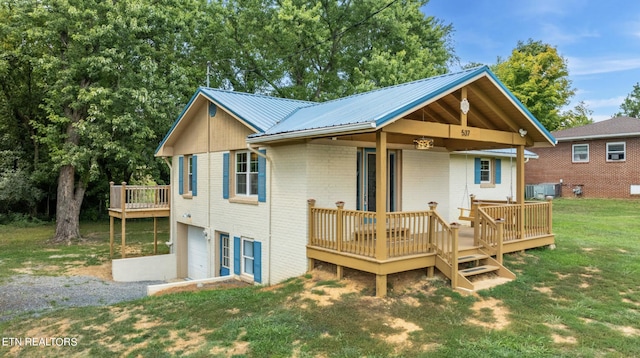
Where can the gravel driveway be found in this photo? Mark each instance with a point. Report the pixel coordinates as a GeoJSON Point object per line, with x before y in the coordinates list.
{"type": "Point", "coordinates": [38, 294]}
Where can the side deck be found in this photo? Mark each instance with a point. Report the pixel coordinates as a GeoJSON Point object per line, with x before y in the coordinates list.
{"type": "Point", "coordinates": [415, 240]}
{"type": "Point", "coordinates": [135, 202]}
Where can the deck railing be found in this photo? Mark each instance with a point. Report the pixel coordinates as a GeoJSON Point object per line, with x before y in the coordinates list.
{"type": "Point", "coordinates": [537, 219]}
{"type": "Point", "coordinates": [355, 232]}
{"type": "Point", "coordinates": [139, 196]}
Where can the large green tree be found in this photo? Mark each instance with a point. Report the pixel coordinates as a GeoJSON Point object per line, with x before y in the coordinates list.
{"type": "Point", "coordinates": [318, 50]}
{"type": "Point", "coordinates": [111, 76]}
{"type": "Point", "coordinates": [538, 76]}
{"type": "Point", "coordinates": [630, 107]}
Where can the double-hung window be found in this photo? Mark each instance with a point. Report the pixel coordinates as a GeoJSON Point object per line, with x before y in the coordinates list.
{"type": "Point", "coordinates": [187, 175]}
{"type": "Point", "coordinates": [246, 173]}
{"type": "Point", "coordinates": [616, 152]}
{"type": "Point", "coordinates": [247, 258]}
{"type": "Point", "coordinates": [580, 153]}
{"type": "Point", "coordinates": [485, 171]}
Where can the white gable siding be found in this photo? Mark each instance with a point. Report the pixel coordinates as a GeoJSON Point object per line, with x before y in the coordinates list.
{"type": "Point", "coordinates": [425, 178]}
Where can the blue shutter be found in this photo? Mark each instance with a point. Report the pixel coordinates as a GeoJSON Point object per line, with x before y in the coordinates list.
{"type": "Point", "coordinates": [237, 251]}
{"type": "Point", "coordinates": [180, 175]}
{"type": "Point", "coordinates": [257, 261]}
{"type": "Point", "coordinates": [225, 175]}
{"type": "Point", "coordinates": [476, 171]}
{"type": "Point", "coordinates": [262, 178]}
{"type": "Point", "coordinates": [194, 175]}
{"type": "Point", "coordinates": [498, 171]}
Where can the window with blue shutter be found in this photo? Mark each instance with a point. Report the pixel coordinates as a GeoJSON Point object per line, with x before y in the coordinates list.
{"type": "Point", "coordinates": [225, 175]}
{"type": "Point", "coordinates": [180, 175]}
{"type": "Point", "coordinates": [262, 177]}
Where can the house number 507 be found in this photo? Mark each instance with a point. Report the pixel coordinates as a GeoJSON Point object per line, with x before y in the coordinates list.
{"type": "Point", "coordinates": [465, 132]}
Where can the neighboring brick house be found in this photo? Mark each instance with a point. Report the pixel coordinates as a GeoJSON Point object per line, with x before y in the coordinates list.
{"type": "Point", "coordinates": [601, 159]}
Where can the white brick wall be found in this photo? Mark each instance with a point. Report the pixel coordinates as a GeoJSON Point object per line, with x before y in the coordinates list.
{"type": "Point", "coordinates": [301, 172]}
{"type": "Point", "coordinates": [461, 164]}
{"type": "Point", "coordinates": [425, 178]}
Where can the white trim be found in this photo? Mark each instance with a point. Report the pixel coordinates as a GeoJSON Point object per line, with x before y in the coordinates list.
{"type": "Point", "coordinates": [573, 155]}
{"type": "Point", "coordinates": [624, 152]}
{"type": "Point", "coordinates": [247, 174]}
{"type": "Point", "coordinates": [243, 257]}
{"type": "Point", "coordinates": [599, 136]}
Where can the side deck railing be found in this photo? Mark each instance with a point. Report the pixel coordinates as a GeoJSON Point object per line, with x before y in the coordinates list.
{"type": "Point", "coordinates": [131, 197]}
{"type": "Point", "coordinates": [536, 221]}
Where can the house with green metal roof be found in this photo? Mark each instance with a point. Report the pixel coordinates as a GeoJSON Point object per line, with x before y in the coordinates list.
{"type": "Point", "coordinates": [264, 188]}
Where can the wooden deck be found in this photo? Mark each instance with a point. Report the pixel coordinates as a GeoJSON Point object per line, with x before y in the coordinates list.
{"type": "Point", "coordinates": [135, 202]}
{"type": "Point", "coordinates": [416, 240]}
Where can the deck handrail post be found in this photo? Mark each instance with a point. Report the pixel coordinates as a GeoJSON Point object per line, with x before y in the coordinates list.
{"type": "Point", "coordinates": [455, 232]}
{"type": "Point", "coordinates": [550, 214]}
{"type": "Point", "coordinates": [311, 203]}
{"type": "Point", "coordinates": [123, 218]}
{"type": "Point", "coordinates": [339, 223]}
{"type": "Point", "coordinates": [432, 225]}
{"type": "Point", "coordinates": [500, 239]}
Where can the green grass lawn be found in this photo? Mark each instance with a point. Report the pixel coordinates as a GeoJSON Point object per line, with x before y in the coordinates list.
{"type": "Point", "coordinates": [579, 300]}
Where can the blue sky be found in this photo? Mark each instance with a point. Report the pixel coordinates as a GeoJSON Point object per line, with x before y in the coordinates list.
{"type": "Point", "coordinates": [599, 39]}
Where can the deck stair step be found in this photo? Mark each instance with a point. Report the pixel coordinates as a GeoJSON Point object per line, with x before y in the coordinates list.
{"type": "Point", "coordinates": [471, 258]}
{"type": "Point", "coordinates": [478, 270]}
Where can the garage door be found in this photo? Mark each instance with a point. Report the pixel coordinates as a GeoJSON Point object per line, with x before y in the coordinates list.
{"type": "Point", "coordinates": [197, 266]}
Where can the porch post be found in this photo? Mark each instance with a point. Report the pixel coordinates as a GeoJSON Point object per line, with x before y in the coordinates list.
{"type": "Point", "coordinates": [520, 188]}
{"type": "Point", "coordinates": [123, 218]}
{"type": "Point", "coordinates": [381, 208]}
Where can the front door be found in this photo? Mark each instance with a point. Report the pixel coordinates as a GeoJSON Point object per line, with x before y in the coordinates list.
{"type": "Point", "coordinates": [367, 180]}
{"type": "Point", "coordinates": [224, 254]}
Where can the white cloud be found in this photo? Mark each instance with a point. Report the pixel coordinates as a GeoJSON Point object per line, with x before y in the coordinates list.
{"type": "Point", "coordinates": [589, 66]}
{"type": "Point", "coordinates": [556, 35]}
{"type": "Point", "coordinates": [605, 102]}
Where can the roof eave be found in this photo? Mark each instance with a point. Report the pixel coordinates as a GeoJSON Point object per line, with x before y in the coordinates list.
{"type": "Point", "coordinates": [315, 132]}
{"type": "Point", "coordinates": [598, 136]}
{"type": "Point", "coordinates": [489, 153]}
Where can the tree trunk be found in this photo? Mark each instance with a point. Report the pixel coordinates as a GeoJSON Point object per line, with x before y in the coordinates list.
{"type": "Point", "coordinates": [68, 205]}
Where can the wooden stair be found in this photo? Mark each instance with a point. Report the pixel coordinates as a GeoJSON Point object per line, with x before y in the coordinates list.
{"type": "Point", "coordinates": [477, 271]}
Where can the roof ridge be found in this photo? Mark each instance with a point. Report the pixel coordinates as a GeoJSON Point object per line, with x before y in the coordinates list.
{"type": "Point", "coordinates": [265, 96]}
{"type": "Point", "coordinates": [469, 70]}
